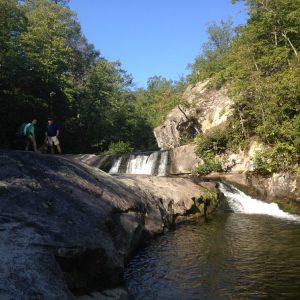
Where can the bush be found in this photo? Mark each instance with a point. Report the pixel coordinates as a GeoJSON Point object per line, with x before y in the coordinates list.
{"type": "Point", "coordinates": [119, 147]}
{"type": "Point", "coordinates": [282, 157]}
{"type": "Point", "coordinates": [210, 165]}
{"type": "Point", "coordinates": [214, 142]}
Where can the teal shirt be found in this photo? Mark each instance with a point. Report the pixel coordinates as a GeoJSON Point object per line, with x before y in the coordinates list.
{"type": "Point", "coordinates": [29, 130]}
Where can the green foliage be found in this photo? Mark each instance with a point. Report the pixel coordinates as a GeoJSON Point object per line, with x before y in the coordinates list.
{"type": "Point", "coordinates": [48, 68]}
{"type": "Point", "coordinates": [186, 137]}
{"type": "Point", "coordinates": [210, 196]}
{"type": "Point", "coordinates": [208, 146]}
{"type": "Point", "coordinates": [279, 158]}
{"type": "Point", "coordinates": [261, 67]}
{"type": "Point", "coordinates": [210, 164]}
{"type": "Point", "coordinates": [158, 99]}
{"type": "Point", "coordinates": [214, 142]}
{"type": "Point", "coordinates": [213, 57]}
{"type": "Point", "coordinates": [119, 147]}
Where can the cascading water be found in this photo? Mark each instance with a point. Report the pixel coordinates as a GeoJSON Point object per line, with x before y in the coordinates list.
{"type": "Point", "coordinates": [162, 168]}
{"type": "Point", "coordinates": [142, 164]}
{"type": "Point", "coordinates": [154, 163]}
{"type": "Point", "coordinates": [242, 203]}
{"type": "Point", "coordinates": [116, 165]}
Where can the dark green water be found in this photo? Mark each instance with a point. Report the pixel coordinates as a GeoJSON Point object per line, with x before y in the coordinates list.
{"type": "Point", "coordinates": [232, 256]}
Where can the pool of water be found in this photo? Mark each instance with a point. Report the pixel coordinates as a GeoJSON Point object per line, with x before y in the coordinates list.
{"type": "Point", "coordinates": [232, 256]}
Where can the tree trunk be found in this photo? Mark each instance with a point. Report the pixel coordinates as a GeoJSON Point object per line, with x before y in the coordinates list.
{"type": "Point", "coordinates": [188, 119]}
{"type": "Point", "coordinates": [289, 41]}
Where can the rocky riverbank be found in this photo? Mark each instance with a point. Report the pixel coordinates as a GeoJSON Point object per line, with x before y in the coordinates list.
{"type": "Point", "coordinates": [68, 229]}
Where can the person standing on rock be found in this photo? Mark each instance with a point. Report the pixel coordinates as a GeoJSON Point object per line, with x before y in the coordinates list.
{"type": "Point", "coordinates": [52, 133]}
{"type": "Point", "coordinates": [29, 132]}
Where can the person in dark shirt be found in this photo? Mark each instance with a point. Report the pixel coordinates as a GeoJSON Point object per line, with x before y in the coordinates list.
{"type": "Point", "coordinates": [52, 133]}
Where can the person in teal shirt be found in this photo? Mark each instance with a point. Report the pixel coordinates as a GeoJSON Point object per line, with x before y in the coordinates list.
{"type": "Point", "coordinates": [29, 132]}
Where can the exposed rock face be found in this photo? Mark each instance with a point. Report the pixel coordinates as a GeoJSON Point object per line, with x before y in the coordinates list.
{"type": "Point", "coordinates": [183, 159]}
{"type": "Point", "coordinates": [67, 226]}
{"type": "Point", "coordinates": [207, 109]}
{"type": "Point", "coordinates": [243, 161]}
{"type": "Point", "coordinates": [103, 162]}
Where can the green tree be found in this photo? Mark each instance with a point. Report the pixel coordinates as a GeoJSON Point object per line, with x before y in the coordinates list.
{"type": "Point", "coordinates": [213, 57]}
{"type": "Point", "coordinates": [159, 98]}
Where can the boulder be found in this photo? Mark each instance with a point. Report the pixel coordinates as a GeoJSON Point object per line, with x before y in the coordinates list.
{"type": "Point", "coordinates": [68, 229]}
{"type": "Point", "coordinates": [183, 159]}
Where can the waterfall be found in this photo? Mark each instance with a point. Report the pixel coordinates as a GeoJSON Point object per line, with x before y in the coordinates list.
{"type": "Point", "coordinates": [154, 163]}
{"type": "Point", "coordinates": [116, 165]}
{"type": "Point", "coordinates": [142, 164]}
{"type": "Point", "coordinates": [162, 168]}
{"type": "Point", "coordinates": [241, 203]}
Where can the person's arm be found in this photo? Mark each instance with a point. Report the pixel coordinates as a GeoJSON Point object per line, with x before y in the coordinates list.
{"type": "Point", "coordinates": [57, 131]}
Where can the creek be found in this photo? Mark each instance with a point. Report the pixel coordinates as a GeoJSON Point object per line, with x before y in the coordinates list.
{"type": "Point", "coordinates": [248, 249]}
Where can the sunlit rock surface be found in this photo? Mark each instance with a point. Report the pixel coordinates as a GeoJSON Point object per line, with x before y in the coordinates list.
{"type": "Point", "coordinates": [206, 109]}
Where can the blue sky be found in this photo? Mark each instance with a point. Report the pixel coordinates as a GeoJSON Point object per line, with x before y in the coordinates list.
{"type": "Point", "coordinates": [157, 37]}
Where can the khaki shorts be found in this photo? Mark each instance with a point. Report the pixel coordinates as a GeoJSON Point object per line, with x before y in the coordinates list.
{"type": "Point", "coordinates": [53, 140]}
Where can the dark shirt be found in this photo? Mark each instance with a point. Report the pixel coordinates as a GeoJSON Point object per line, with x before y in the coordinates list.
{"type": "Point", "coordinates": [52, 129]}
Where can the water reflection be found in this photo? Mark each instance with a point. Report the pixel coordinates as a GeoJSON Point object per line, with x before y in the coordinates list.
{"type": "Point", "coordinates": [234, 256]}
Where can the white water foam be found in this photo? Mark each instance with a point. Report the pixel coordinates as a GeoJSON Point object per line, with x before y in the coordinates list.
{"type": "Point", "coordinates": [142, 164]}
{"type": "Point", "coordinates": [239, 202]}
{"type": "Point", "coordinates": [116, 165]}
{"type": "Point", "coordinates": [163, 164]}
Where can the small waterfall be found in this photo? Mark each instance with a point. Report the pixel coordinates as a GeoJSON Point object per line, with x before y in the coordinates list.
{"type": "Point", "coordinates": [142, 164]}
{"type": "Point", "coordinates": [116, 165]}
{"type": "Point", "coordinates": [241, 203]}
{"type": "Point", "coordinates": [162, 168]}
{"type": "Point", "coordinates": [154, 163]}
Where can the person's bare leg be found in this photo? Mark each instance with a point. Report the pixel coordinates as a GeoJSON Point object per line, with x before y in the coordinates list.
{"type": "Point", "coordinates": [27, 145]}
{"type": "Point", "coordinates": [58, 148]}
{"type": "Point", "coordinates": [34, 145]}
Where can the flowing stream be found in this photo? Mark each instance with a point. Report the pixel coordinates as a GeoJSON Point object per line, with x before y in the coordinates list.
{"type": "Point", "coordinates": [247, 250]}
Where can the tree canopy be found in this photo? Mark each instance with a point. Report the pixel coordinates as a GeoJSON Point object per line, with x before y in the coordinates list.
{"type": "Point", "coordinates": [48, 68]}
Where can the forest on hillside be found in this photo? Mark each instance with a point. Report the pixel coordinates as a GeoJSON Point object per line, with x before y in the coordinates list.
{"type": "Point", "coordinates": [48, 68]}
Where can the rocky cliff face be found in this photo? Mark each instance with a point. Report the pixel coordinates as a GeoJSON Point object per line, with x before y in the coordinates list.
{"type": "Point", "coordinates": [205, 109]}
{"type": "Point", "coordinates": [183, 160]}
{"type": "Point", "coordinates": [67, 228]}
